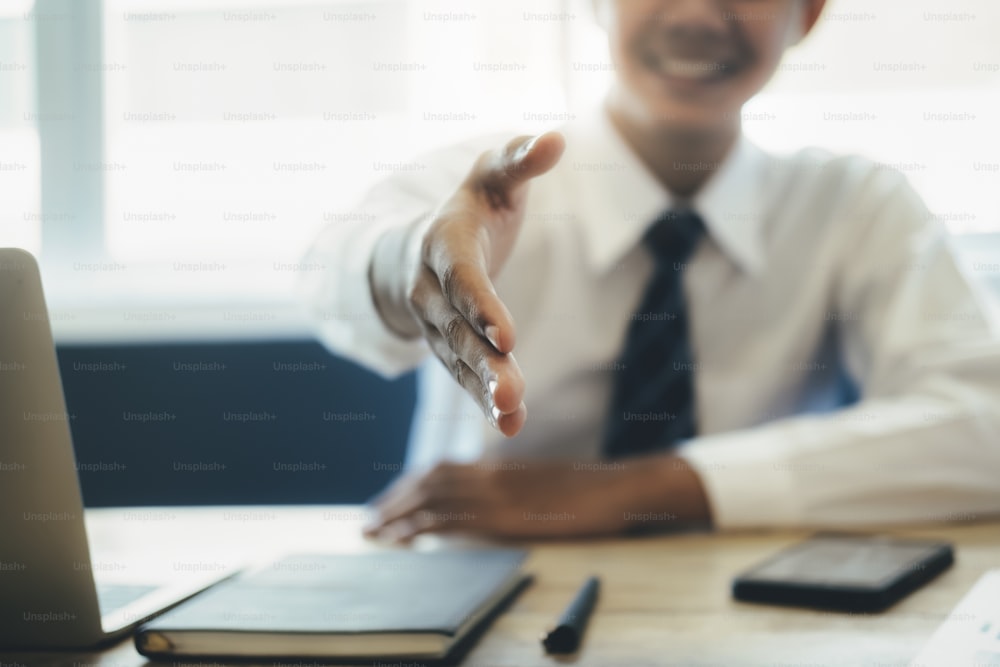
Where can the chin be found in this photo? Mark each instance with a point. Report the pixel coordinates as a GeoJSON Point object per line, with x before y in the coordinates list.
{"type": "Point", "coordinates": [694, 108]}
{"type": "Point", "coordinates": [694, 118]}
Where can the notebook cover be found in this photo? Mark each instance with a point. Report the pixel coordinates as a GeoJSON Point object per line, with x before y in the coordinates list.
{"type": "Point", "coordinates": [382, 592]}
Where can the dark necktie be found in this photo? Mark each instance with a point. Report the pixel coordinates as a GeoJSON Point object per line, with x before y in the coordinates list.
{"type": "Point", "coordinates": [652, 399]}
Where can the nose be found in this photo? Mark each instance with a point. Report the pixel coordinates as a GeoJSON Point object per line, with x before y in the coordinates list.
{"type": "Point", "coordinates": [697, 16]}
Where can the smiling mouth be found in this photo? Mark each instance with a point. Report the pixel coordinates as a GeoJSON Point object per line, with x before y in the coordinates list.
{"type": "Point", "coordinates": [690, 70]}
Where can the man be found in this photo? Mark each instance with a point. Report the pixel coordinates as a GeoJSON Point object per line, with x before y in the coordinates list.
{"type": "Point", "coordinates": [708, 333]}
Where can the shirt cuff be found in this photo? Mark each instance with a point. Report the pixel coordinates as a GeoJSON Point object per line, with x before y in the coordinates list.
{"type": "Point", "coordinates": [340, 301]}
{"type": "Point", "coordinates": [748, 480]}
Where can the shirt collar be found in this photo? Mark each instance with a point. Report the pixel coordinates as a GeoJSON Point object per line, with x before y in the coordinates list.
{"type": "Point", "coordinates": [618, 197]}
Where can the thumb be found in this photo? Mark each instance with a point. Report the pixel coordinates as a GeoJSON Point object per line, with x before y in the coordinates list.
{"type": "Point", "coordinates": [500, 173]}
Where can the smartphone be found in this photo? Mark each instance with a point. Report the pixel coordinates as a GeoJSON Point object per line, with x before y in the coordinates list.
{"type": "Point", "coordinates": [844, 572]}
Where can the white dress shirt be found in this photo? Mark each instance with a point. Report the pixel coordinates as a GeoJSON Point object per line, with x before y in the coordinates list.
{"type": "Point", "coordinates": [847, 371]}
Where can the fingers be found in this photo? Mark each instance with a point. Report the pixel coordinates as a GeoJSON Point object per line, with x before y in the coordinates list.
{"type": "Point", "coordinates": [407, 528]}
{"type": "Point", "coordinates": [492, 378]}
{"type": "Point", "coordinates": [511, 424]}
{"type": "Point", "coordinates": [498, 174]}
{"type": "Point", "coordinates": [455, 297]}
{"type": "Point", "coordinates": [419, 490]}
{"type": "Point", "coordinates": [428, 501]}
{"type": "Point", "coordinates": [425, 521]}
{"type": "Point", "coordinates": [437, 514]}
{"type": "Point", "coordinates": [465, 283]}
{"type": "Point", "coordinates": [495, 377]}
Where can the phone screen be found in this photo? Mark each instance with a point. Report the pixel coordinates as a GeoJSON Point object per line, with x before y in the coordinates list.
{"type": "Point", "coordinates": [837, 560]}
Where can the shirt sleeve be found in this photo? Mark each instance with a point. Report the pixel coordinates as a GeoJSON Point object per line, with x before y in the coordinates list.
{"type": "Point", "coordinates": [336, 289]}
{"type": "Point", "coordinates": [337, 292]}
{"type": "Point", "coordinates": [923, 443]}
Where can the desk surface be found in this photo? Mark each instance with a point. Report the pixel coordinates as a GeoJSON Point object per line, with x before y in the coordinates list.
{"type": "Point", "coordinates": [664, 599]}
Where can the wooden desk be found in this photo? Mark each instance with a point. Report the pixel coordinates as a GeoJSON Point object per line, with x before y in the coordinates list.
{"type": "Point", "coordinates": [664, 601]}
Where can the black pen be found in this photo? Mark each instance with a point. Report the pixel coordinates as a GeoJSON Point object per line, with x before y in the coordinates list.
{"type": "Point", "coordinates": [566, 636]}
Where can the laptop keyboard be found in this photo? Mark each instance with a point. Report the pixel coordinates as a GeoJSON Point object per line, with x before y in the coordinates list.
{"type": "Point", "coordinates": [111, 597]}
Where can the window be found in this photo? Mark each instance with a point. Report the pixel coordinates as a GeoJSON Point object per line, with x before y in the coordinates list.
{"type": "Point", "coordinates": [180, 154]}
{"type": "Point", "coordinates": [20, 214]}
{"type": "Point", "coordinates": [234, 130]}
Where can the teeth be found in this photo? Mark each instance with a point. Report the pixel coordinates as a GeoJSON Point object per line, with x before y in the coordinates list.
{"type": "Point", "coordinates": [695, 70]}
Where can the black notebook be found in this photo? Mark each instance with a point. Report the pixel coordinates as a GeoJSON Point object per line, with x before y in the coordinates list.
{"type": "Point", "coordinates": [394, 604]}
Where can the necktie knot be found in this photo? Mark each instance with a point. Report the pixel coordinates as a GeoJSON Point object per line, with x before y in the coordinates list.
{"type": "Point", "coordinates": [674, 235]}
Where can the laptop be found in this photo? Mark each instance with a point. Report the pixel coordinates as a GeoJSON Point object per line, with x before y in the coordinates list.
{"type": "Point", "coordinates": [51, 593]}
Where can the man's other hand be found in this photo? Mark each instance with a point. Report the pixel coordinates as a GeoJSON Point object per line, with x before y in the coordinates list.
{"type": "Point", "coordinates": [530, 499]}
